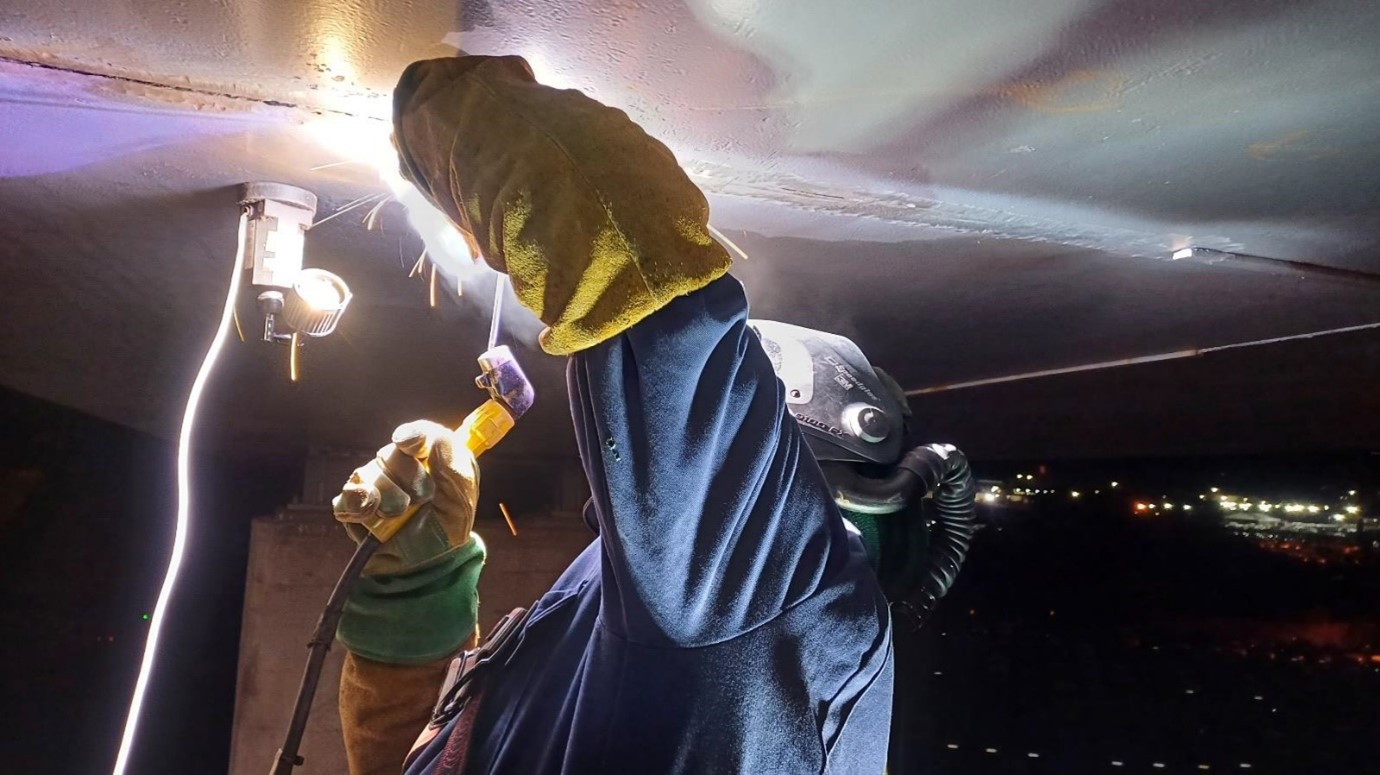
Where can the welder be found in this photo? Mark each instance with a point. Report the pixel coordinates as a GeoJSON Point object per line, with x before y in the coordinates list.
{"type": "Point", "coordinates": [724, 619]}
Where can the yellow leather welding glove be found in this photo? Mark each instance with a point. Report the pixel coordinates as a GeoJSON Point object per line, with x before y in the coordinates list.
{"type": "Point", "coordinates": [593, 220]}
{"type": "Point", "coordinates": [418, 599]}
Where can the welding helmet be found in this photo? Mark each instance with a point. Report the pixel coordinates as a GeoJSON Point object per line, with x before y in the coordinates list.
{"type": "Point", "coordinates": [847, 410]}
{"type": "Point", "coordinates": [854, 419]}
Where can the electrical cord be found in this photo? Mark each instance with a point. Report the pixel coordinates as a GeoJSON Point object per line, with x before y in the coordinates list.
{"type": "Point", "coordinates": [184, 445]}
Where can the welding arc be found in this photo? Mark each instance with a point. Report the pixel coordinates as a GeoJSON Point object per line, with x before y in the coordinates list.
{"type": "Point", "coordinates": [184, 449]}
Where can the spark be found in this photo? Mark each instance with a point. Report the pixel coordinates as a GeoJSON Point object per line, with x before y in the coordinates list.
{"type": "Point", "coordinates": [328, 165]}
{"type": "Point", "coordinates": [433, 286]}
{"type": "Point", "coordinates": [508, 518]}
{"type": "Point", "coordinates": [728, 242]}
{"type": "Point", "coordinates": [421, 263]}
{"type": "Point", "coordinates": [292, 358]}
{"type": "Point", "coordinates": [371, 218]}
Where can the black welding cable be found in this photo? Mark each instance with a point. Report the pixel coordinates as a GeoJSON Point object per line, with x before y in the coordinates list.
{"type": "Point", "coordinates": [317, 648]}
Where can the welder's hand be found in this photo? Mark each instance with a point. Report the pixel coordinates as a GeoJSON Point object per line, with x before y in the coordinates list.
{"type": "Point", "coordinates": [426, 464]}
{"type": "Point", "coordinates": [593, 220]}
{"type": "Point", "coordinates": [418, 600]}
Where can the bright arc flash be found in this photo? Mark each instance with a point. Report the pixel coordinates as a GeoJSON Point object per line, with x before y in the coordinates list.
{"type": "Point", "coordinates": [184, 448]}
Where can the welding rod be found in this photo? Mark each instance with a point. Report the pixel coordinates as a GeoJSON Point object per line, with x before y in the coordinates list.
{"type": "Point", "coordinates": [499, 287]}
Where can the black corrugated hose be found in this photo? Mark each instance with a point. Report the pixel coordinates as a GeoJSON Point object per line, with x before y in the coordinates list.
{"type": "Point", "coordinates": [938, 470]}
{"type": "Point", "coordinates": [944, 473]}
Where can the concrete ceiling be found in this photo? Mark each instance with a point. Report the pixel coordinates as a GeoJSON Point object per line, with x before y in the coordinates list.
{"type": "Point", "coordinates": [969, 189]}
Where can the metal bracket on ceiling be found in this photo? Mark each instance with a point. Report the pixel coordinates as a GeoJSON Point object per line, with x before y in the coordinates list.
{"type": "Point", "coordinates": [279, 216]}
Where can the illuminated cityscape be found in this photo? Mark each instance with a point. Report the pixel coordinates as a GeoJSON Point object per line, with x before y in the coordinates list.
{"type": "Point", "coordinates": [1245, 512]}
{"type": "Point", "coordinates": [1181, 617]}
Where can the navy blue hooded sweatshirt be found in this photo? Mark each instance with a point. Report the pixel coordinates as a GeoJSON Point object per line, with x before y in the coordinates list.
{"type": "Point", "coordinates": [723, 621]}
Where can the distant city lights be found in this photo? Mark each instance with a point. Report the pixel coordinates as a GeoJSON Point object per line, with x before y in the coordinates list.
{"type": "Point", "coordinates": [1246, 514]}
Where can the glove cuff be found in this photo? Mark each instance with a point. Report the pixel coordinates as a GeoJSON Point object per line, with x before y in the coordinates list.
{"type": "Point", "coordinates": [419, 616]}
{"type": "Point", "coordinates": [629, 299]}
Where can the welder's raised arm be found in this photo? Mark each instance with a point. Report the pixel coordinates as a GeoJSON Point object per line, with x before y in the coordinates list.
{"type": "Point", "coordinates": [714, 517]}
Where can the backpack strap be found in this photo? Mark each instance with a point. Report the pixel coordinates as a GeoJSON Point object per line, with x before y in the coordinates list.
{"type": "Point", "coordinates": [464, 689]}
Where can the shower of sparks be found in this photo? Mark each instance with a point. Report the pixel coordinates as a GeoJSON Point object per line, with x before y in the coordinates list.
{"type": "Point", "coordinates": [371, 218]}
{"type": "Point", "coordinates": [352, 205]}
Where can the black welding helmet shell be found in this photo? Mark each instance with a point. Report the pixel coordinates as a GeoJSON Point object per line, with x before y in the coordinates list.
{"type": "Point", "coordinates": [847, 412]}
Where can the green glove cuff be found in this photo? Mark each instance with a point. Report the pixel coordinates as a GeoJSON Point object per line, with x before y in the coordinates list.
{"type": "Point", "coordinates": [419, 616]}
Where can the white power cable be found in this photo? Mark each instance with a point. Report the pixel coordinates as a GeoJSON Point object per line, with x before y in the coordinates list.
{"type": "Point", "coordinates": [184, 448]}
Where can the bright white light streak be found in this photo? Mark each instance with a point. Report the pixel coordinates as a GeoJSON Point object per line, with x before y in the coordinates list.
{"type": "Point", "coordinates": [184, 449]}
{"type": "Point", "coordinates": [730, 244]}
{"type": "Point", "coordinates": [1140, 359]}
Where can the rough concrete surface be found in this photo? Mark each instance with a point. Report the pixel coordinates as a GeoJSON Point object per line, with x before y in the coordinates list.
{"type": "Point", "coordinates": [972, 187]}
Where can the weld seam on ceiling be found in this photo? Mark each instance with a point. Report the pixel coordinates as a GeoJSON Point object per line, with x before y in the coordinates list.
{"type": "Point", "coordinates": [199, 91]}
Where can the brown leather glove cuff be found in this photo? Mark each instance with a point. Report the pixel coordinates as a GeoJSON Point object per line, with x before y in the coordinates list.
{"type": "Point", "coordinates": [383, 707]}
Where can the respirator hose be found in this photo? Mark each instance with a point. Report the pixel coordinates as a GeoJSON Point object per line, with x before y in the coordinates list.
{"type": "Point", "coordinates": [945, 473]}
{"type": "Point", "coordinates": [937, 470]}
